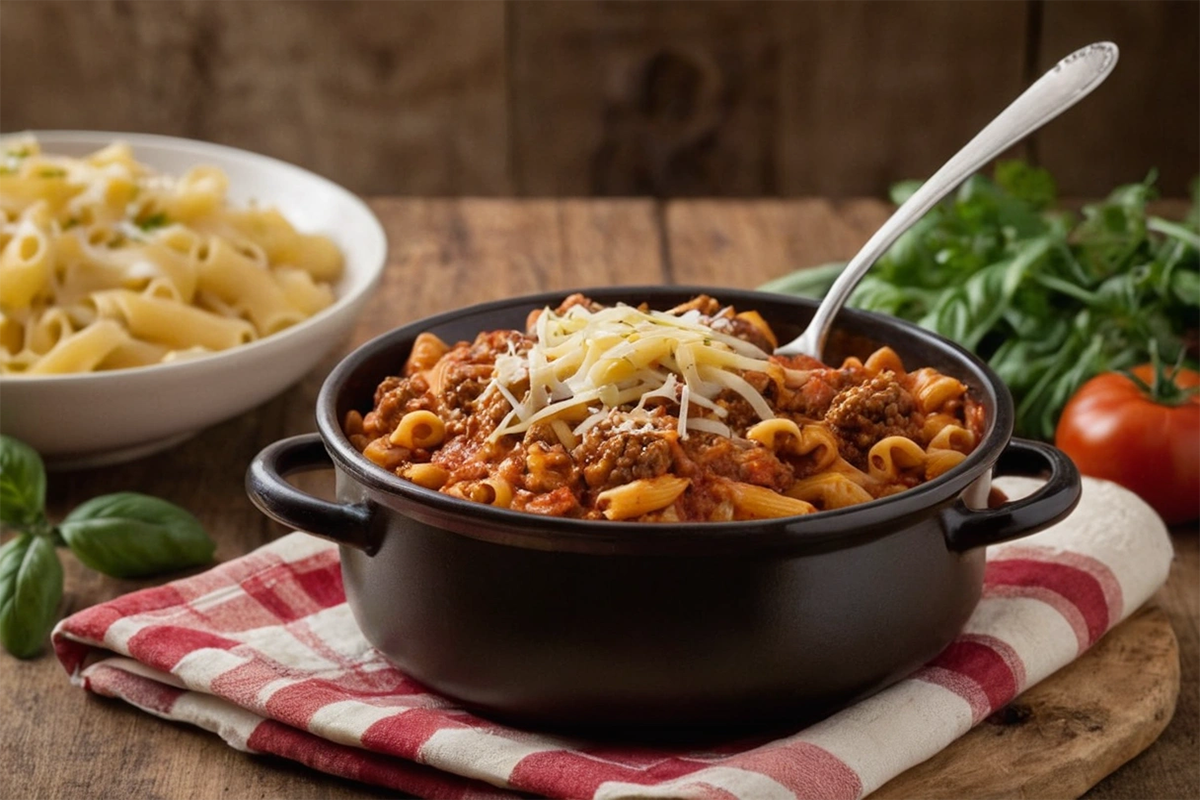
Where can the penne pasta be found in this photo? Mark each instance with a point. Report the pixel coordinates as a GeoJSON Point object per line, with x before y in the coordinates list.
{"type": "Point", "coordinates": [941, 461]}
{"type": "Point", "coordinates": [24, 266]}
{"type": "Point", "coordinates": [79, 233]}
{"type": "Point", "coordinates": [828, 490]}
{"type": "Point", "coordinates": [245, 285]}
{"type": "Point", "coordinates": [641, 496]}
{"type": "Point", "coordinates": [759, 502]}
{"type": "Point", "coordinates": [45, 332]}
{"type": "Point", "coordinates": [81, 351]}
{"type": "Point", "coordinates": [164, 321]}
{"type": "Point", "coordinates": [12, 335]}
{"type": "Point", "coordinates": [135, 353]}
{"type": "Point", "coordinates": [301, 292]}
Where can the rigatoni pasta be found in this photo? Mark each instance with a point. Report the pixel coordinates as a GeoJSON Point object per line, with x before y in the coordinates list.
{"type": "Point", "coordinates": [105, 264]}
{"type": "Point", "coordinates": [627, 414]}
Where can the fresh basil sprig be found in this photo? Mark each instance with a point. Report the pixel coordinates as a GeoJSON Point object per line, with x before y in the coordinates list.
{"type": "Point", "coordinates": [22, 485]}
{"type": "Point", "coordinates": [31, 586]}
{"type": "Point", "coordinates": [125, 535]}
{"type": "Point", "coordinates": [1047, 298]}
{"type": "Point", "coordinates": [131, 535]}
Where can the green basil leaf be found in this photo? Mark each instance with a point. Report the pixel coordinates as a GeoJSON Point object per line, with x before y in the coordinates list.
{"type": "Point", "coordinates": [1193, 217]}
{"type": "Point", "coordinates": [811, 282]}
{"type": "Point", "coordinates": [1034, 185]}
{"type": "Point", "coordinates": [131, 535]}
{"type": "Point", "coordinates": [22, 484]}
{"type": "Point", "coordinates": [903, 190]}
{"type": "Point", "coordinates": [31, 586]}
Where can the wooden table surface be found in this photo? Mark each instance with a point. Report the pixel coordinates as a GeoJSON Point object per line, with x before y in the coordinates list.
{"type": "Point", "coordinates": [58, 742]}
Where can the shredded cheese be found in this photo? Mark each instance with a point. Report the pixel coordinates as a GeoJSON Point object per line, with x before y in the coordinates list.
{"type": "Point", "coordinates": [583, 364]}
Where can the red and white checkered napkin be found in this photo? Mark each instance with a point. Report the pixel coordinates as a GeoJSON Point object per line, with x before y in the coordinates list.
{"type": "Point", "coordinates": [264, 652]}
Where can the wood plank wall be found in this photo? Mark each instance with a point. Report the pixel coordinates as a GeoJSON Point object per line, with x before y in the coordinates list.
{"type": "Point", "coordinates": [520, 97]}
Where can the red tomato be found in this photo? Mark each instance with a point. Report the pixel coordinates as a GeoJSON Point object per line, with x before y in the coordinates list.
{"type": "Point", "coordinates": [1114, 429]}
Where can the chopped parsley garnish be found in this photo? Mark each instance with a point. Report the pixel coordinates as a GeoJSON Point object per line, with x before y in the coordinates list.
{"type": "Point", "coordinates": [153, 221]}
{"type": "Point", "coordinates": [13, 158]}
{"type": "Point", "coordinates": [52, 172]}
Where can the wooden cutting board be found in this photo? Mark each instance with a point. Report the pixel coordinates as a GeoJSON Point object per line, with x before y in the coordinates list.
{"type": "Point", "coordinates": [1065, 734]}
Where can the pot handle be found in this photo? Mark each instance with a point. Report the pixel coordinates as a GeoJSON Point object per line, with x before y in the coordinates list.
{"type": "Point", "coordinates": [350, 524]}
{"type": "Point", "coordinates": [968, 528]}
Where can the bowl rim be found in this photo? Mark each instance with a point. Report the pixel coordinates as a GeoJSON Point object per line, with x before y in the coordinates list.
{"type": "Point", "coordinates": [370, 276]}
{"type": "Point", "coordinates": [837, 527]}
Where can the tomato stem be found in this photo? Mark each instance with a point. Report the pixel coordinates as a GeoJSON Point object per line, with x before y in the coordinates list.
{"type": "Point", "coordinates": [1163, 389]}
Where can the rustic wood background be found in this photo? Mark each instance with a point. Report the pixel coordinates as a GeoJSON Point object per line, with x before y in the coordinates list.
{"type": "Point", "coordinates": [514, 97]}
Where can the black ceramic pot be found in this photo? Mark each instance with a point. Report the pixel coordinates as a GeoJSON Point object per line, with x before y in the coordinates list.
{"type": "Point", "coordinates": [589, 624]}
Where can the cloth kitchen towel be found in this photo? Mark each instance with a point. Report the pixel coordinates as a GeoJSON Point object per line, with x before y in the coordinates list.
{"type": "Point", "coordinates": [263, 651]}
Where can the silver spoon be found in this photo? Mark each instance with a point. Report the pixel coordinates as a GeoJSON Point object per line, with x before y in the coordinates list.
{"type": "Point", "coordinates": [1068, 82]}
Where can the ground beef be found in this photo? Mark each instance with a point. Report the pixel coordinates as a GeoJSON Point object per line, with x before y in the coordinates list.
{"type": "Point", "coordinates": [861, 415]}
{"type": "Point", "coordinates": [738, 461]}
{"type": "Point", "coordinates": [479, 419]}
{"type": "Point", "coordinates": [708, 452]}
{"type": "Point", "coordinates": [610, 459]}
{"type": "Point", "coordinates": [469, 366]}
{"type": "Point", "coordinates": [465, 371]}
{"type": "Point", "coordinates": [393, 404]}
{"type": "Point", "coordinates": [577, 299]}
{"type": "Point", "coordinates": [761, 466]}
{"type": "Point", "coordinates": [740, 414]}
{"type": "Point", "coordinates": [464, 384]}
{"type": "Point", "coordinates": [387, 386]}
{"type": "Point", "coordinates": [560, 502]}
{"type": "Point", "coordinates": [813, 398]}
{"type": "Point", "coordinates": [548, 467]}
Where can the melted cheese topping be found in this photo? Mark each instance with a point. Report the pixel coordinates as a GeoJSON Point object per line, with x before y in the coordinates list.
{"type": "Point", "coordinates": [583, 364]}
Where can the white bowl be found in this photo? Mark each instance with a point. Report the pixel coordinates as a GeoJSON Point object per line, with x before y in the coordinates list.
{"type": "Point", "coordinates": [89, 419]}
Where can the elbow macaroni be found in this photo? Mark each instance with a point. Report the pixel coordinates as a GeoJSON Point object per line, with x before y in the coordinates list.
{"type": "Point", "coordinates": [656, 418]}
{"type": "Point", "coordinates": [419, 429]}
{"type": "Point", "coordinates": [105, 264]}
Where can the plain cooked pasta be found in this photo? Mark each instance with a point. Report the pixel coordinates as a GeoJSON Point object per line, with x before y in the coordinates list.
{"type": "Point", "coordinates": [106, 264]}
{"type": "Point", "coordinates": [621, 413]}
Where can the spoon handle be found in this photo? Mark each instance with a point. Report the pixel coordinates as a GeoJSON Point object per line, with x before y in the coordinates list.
{"type": "Point", "coordinates": [1068, 82]}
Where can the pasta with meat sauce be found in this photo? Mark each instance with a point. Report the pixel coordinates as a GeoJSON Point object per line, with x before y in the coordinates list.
{"type": "Point", "coordinates": [624, 413]}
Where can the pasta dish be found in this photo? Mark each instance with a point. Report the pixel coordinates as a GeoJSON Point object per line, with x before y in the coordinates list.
{"type": "Point", "coordinates": [106, 264]}
{"type": "Point", "coordinates": [623, 413]}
